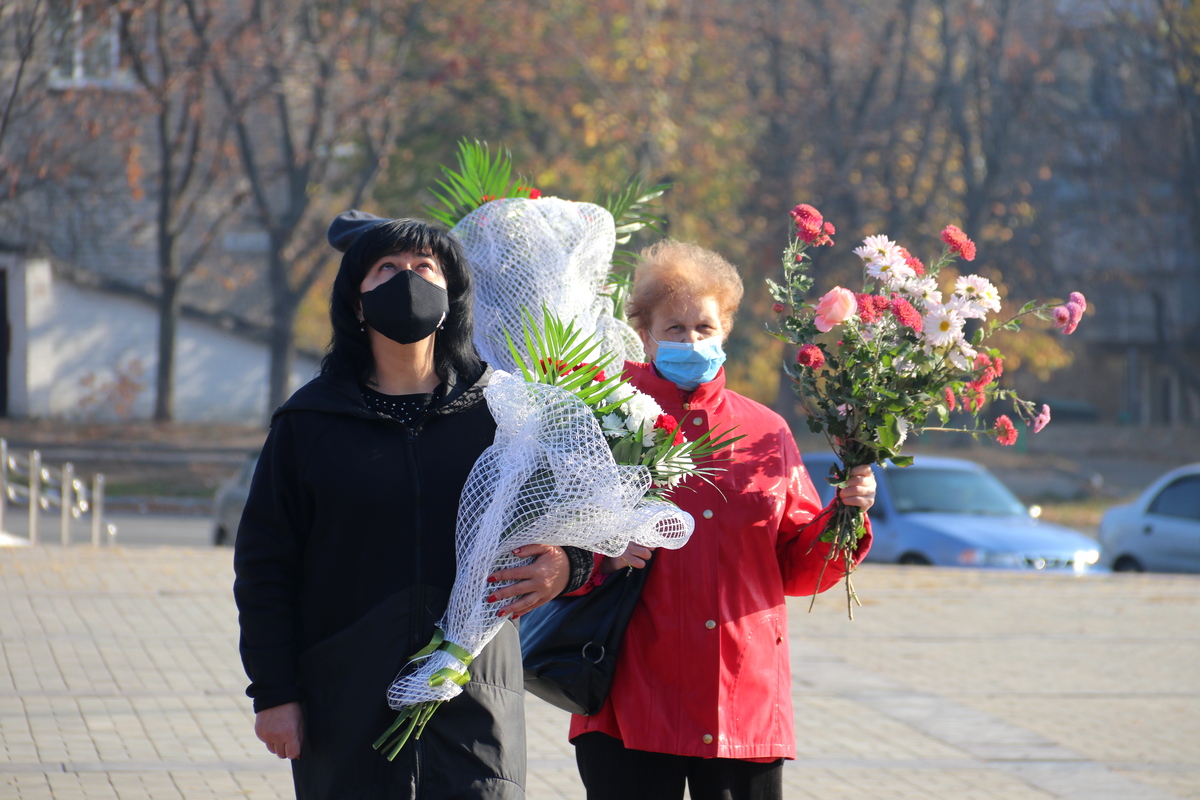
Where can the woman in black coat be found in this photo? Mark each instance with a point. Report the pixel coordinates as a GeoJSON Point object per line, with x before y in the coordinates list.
{"type": "Point", "coordinates": [345, 554]}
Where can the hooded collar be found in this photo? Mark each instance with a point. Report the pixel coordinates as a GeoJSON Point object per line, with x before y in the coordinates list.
{"type": "Point", "coordinates": [706, 396]}
{"type": "Point", "coordinates": [338, 394]}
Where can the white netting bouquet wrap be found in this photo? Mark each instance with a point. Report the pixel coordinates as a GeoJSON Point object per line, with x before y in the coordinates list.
{"type": "Point", "coordinates": [545, 253]}
{"type": "Point", "coordinates": [548, 478]}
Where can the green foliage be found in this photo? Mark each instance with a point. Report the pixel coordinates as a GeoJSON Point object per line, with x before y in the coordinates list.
{"type": "Point", "coordinates": [630, 207]}
{"type": "Point", "coordinates": [481, 178]}
{"type": "Point", "coordinates": [557, 353]}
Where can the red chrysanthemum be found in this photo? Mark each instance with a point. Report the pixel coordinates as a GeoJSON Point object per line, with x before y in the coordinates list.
{"type": "Point", "coordinates": [1006, 432]}
{"type": "Point", "coordinates": [989, 374]}
{"type": "Point", "coordinates": [809, 222]}
{"type": "Point", "coordinates": [866, 308]}
{"type": "Point", "coordinates": [948, 393]}
{"type": "Point", "coordinates": [810, 356]}
{"type": "Point", "coordinates": [905, 314]}
{"type": "Point", "coordinates": [958, 242]}
{"type": "Point", "coordinates": [912, 261]}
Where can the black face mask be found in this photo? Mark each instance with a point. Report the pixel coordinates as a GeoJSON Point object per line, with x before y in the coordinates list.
{"type": "Point", "coordinates": [407, 308]}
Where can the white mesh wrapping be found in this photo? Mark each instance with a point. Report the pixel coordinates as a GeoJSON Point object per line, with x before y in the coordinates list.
{"type": "Point", "coordinates": [549, 478]}
{"type": "Point", "coordinates": [547, 253]}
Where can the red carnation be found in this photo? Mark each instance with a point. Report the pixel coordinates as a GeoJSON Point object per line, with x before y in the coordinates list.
{"type": "Point", "coordinates": [666, 422]}
{"type": "Point", "coordinates": [1006, 432]}
{"type": "Point", "coordinates": [534, 194]}
{"type": "Point", "coordinates": [958, 242]}
{"type": "Point", "coordinates": [913, 261]}
{"type": "Point", "coordinates": [905, 314]}
{"type": "Point", "coordinates": [810, 356]}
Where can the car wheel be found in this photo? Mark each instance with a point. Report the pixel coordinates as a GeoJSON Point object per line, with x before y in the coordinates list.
{"type": "Point", "coordinates": [221, 537]}
{"type": "Point", "coordinates": [1127, 564]}
{"type": "Point", "coordinates": [915, 559]}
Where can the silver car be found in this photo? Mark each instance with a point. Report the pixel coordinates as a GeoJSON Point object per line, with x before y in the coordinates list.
{"type": "Point", "coordinates": [951, 512]}
{"type": "Point", "coordinates": [229, 502]}
{"type": "Point", "coordinates": [1160, 531]}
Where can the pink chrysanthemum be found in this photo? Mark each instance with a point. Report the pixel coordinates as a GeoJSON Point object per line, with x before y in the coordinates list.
{"type": "Point", "coordinates": [1078, 299]}
{"type": "Point", "coordinates": [1042, 419]}
{"type": "Point", "coordinates": [959, 242]}
{"type": "Point", "coordinates": [906, 314]}
{"type": "Point", "coordinates": [1006, 432]}
{"type": "Point", "coordinates": [948, 393]}
{"type": "Point", "coordinates": [1067, 317]}
{"type": "Point", "coordinates": [810, 356]}
{"type": "Point", "coordinates": [913, 262]}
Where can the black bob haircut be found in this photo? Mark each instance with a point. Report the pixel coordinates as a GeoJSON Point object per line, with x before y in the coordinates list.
{"type": "Point", "coordinates": [454, 353]}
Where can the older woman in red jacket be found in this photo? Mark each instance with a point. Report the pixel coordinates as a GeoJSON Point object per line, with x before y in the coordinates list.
{"type": "Point", "coordinates": [701, 693]}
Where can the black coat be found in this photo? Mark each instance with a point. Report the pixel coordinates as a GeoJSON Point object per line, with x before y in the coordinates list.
{"type": "Point", "coordinates": [345, 560]}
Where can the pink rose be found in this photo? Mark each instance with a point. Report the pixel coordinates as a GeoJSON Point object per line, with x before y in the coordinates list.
{"type": "Point", "coordinates": [837, 306]}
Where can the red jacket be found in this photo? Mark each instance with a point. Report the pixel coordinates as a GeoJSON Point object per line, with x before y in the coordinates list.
{"type": "Point", "coordinates": [704, 667]}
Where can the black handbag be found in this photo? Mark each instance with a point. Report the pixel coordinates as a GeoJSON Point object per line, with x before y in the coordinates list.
{"type": "Point", "coordinates": [569, 646]}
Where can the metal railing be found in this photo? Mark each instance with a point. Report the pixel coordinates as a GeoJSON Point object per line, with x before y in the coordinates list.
{"type": "Point", "coordinates": [25, 481]}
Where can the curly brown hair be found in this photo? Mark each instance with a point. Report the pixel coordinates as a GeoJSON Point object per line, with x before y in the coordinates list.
{"type": "Point", "coordinates": [671, 269]}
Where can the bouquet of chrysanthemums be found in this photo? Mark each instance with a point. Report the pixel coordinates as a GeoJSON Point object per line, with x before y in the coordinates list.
{"type": "Point", "coordinates": [876, 366]}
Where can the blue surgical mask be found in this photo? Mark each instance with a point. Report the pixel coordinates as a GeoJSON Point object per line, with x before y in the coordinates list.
{"type": "Point", "coordinates": [689, 364]}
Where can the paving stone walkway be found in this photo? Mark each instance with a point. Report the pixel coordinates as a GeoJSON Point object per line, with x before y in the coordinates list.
{"type": "Point", "coordinates": [119, 680]}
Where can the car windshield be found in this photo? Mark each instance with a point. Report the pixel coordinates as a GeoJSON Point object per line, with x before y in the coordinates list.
{"type": "Point", "coordinates": [951, 491]}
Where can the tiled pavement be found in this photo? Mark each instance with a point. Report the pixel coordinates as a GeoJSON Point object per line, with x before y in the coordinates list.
{"type": "Point", "coordinates": [120, 679]}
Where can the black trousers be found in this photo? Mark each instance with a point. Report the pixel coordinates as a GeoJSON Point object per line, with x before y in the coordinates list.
{"type": "Point", "coordinates": [610, 771]}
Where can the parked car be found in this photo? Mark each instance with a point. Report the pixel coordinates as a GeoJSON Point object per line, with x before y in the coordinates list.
{"type": "Point", "coordinates": [229, 502]}
{"type": "Point", "coordinates": [1160, 531]}
{"type": "Point", "coordinates": [951, 512]}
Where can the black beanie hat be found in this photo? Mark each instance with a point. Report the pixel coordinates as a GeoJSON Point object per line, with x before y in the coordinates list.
{"type": "Point", "coordinates": [348, 226]}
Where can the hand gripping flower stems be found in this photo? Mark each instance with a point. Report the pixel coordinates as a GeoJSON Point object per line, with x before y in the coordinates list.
{"type": "Point", "coordinates": [552, 476]}
{"type": "Point", "coordinates": [874, 366]}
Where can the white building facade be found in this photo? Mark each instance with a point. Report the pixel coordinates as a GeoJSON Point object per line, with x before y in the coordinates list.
{"type": "Point", "coordinates": [82, 353]}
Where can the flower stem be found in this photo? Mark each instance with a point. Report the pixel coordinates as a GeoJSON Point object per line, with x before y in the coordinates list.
{"type": "Point", "coordinates": [410, 723]}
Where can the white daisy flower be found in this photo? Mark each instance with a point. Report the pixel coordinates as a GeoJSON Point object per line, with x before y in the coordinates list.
{"type": "Point", "coordinates": [962, 355]}
{"type": "Point", "coordinates": [923, 289]}
{"type": "Point", "coordinates": [890, 270]}
{"type": "Point", "coordinates": [978, 290]}
{"type": "Point", "coordinates": [875, 248]}
{"type": "Point", "coordinates": [942, 326]}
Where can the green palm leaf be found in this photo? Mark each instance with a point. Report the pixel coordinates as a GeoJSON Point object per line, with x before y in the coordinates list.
{"type": "Point", "coordinates": [480, 178]}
